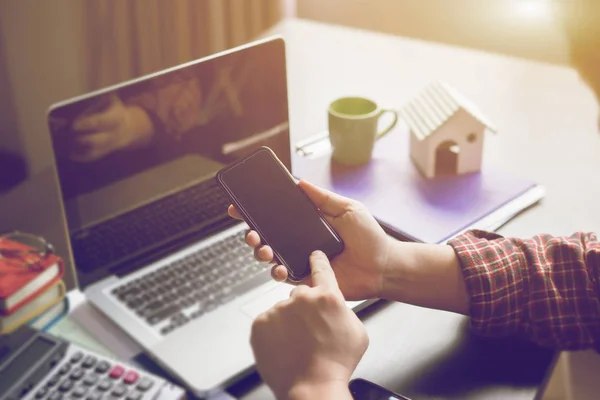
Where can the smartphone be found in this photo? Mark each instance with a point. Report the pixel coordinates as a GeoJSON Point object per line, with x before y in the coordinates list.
{"type": "Point", "coordinates": [362, 389]}
{"type": "Point", "coordinates": [272, 203]}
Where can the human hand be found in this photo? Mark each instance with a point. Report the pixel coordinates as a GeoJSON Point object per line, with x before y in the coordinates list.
{"type": "Point", "coordinates": [117, 126]}
{"type": "Point", "coordinates": [360, 267]}
{"type": "Point", "coordinates": [308, 345]}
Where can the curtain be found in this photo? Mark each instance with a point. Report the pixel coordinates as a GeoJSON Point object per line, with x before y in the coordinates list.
{"type": "Point", "coordinates": [129, 38]}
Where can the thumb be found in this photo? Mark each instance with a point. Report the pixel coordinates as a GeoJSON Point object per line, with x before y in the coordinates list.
{"type": "Point", "coordinates": [328, 202]}
{"type": "Point", "coordinates": [321, 273]}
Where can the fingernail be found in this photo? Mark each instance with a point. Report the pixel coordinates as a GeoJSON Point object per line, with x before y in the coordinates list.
{"type": "Point", "coordinates": [318, 253]}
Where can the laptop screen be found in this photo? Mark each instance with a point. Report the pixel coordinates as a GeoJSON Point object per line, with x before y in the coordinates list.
{"type": "Point", "coordinates": [136, 162]}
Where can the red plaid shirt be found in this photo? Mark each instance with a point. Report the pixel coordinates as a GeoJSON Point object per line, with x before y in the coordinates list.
{"type": "Point", "coordinates": [545, 288]}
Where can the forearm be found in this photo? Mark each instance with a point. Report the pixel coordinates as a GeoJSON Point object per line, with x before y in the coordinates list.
{"type": "Point", "coordinates": [325, 390]}
{"type": "Point", "coordinates": [544, 288]}
{"type": "Point", "coordinates": [425, 275]}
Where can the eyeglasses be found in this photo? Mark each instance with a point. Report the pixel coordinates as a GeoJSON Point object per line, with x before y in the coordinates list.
{"type": "Point", "coordinates": [25, 250]}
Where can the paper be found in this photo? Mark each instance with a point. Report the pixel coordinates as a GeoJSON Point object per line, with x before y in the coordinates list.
{"type": "Point", "coordinates": [83, 319]}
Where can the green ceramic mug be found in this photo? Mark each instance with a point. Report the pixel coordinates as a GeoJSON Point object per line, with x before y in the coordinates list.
{"type": "Point", "coordinates": [353, 125]}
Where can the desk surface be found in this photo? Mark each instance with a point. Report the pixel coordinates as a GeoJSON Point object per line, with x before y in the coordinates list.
{"type": "Point", "coordinates": [548, 132]}
{"type": "Point", "coordinates": [547, 122]}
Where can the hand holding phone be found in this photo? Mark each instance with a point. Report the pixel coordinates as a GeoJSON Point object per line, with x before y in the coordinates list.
{"type": "Point", "coordinates": [269, 199]}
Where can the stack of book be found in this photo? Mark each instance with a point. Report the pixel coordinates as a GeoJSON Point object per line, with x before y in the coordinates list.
{"type": "Point", "coordinates": [34, 296]}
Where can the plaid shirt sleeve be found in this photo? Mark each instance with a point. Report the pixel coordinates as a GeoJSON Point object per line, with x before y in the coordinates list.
{"type": "Point", "coordinates": [545, 288]}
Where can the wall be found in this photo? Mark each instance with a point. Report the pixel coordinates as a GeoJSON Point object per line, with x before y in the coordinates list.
{"type": "Point", "coordinates": [55, 50]}
{"type": "Point", "coordinates": [524, 28]}
{"type": "Point", "coordinates": [9, 139]}
{"type": "Point", "coordinates": [42, 65]}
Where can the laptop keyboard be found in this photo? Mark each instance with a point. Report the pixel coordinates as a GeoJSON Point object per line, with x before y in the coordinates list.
{"type": "Point", "coordinates": [190, 287]}
{"type": "Point", "coordinates": [149, 225]}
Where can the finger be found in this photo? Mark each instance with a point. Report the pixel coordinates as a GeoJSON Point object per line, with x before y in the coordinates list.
{"type": "Point", "coordinates": [252, 239]}
{"type": "Point", "coordinates": [328, 202]}
{"type": "Point", "coordinates": [281, 304]}
{"type": "Point", "coordinates": [279, 273]}
{"type": "Point", "coordinates": [263, 254]}
{"type": "Point", "coordinates": [234, 213]}
{"type": "Point", "coordinates": [306, 281]}
{"type": "Point", "coordinates": [321, 273]}
{"type": "Point", "coordinates": [329, 218]}
{"type": "Point", "coordinates": [298, 290]}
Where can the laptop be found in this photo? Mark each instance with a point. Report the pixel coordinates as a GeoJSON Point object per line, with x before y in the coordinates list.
{"type": "Point", "coordinates": [151, 241]}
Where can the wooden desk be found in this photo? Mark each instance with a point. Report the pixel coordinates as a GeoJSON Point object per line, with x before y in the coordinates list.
{"type": "Point", "coordinates": [547, 122]}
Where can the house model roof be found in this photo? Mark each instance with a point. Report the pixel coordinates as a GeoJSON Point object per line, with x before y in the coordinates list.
{"type": "Point", "coordinates": [435, 105]}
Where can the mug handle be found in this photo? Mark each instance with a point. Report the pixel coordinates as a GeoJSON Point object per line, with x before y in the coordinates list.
{"type": "Point", "coordinates": [389, 128]}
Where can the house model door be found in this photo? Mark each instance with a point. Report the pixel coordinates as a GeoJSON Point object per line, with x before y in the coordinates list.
{"type": "Point", "coordinates": [446, 158]}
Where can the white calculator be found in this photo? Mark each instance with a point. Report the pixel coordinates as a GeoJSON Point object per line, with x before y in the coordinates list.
{"type": "Point", "coordinates": [38, 366]}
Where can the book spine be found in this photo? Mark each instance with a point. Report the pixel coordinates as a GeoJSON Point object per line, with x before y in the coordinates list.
{"type": "Point", "coordinates": [49, 284]}
{"type": "Point", "coordinates": [4, 329]}
{"type": "Point", "coordinates": [49, 324]}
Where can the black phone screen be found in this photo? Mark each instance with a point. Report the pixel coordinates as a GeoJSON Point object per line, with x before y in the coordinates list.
{"type": "Point", "coordinates": [362, 389]}
{"type": "Point", "coordinates": [275, 206]}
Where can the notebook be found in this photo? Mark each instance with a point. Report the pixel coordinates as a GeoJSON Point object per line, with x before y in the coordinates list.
{"type": "Point", "coordinates": [409, 206]}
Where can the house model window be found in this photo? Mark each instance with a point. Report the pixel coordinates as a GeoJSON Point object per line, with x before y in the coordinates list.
{"type": "Point", "coordinates": [446, 131]}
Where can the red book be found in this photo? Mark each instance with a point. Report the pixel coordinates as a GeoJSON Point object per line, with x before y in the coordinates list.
{"type": "Point", "coordinates": [19, 284]}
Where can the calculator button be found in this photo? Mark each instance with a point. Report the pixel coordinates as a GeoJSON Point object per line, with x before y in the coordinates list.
{"type": "Point", "coordinates": [93, 396]}
{"type": "Point", "coordinates": [119, 391]}
{"type": "Point", "coordinates": [41, 393]}
{"type": "Point", "coordinates": [90, 379]}
{"type": "Point", "coordinates": [65, 386]}
{"type": "Point", "coordinates": [116, 372]}
{"type": "Point", "coordinates": [144, 384]}
{"type": "Point", "coordinates": [77, 374]}
{"type": "Point", "coordinates": [135, 395]}
{"type": "Point", "coordinates": [64, 369]}
{"type": "Point", "coordinates": [79, 391]}
{"type": "Point", "coordinates": [75, 358]}
{"type": "Point", "coordinates": [55, 396]}
{"type": "Point", "coordinates": [105, 385]}
{"type": "Point", "coordinates": [53, 381]}
{"type": "Point", "coordinates": [89, 361]}
{"type": "Point", "coordinates": [102, 367]}
{"type": "Point", "coordinates": [130, 377]}
{"type": "Point", "coordinates": [56, 360]}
